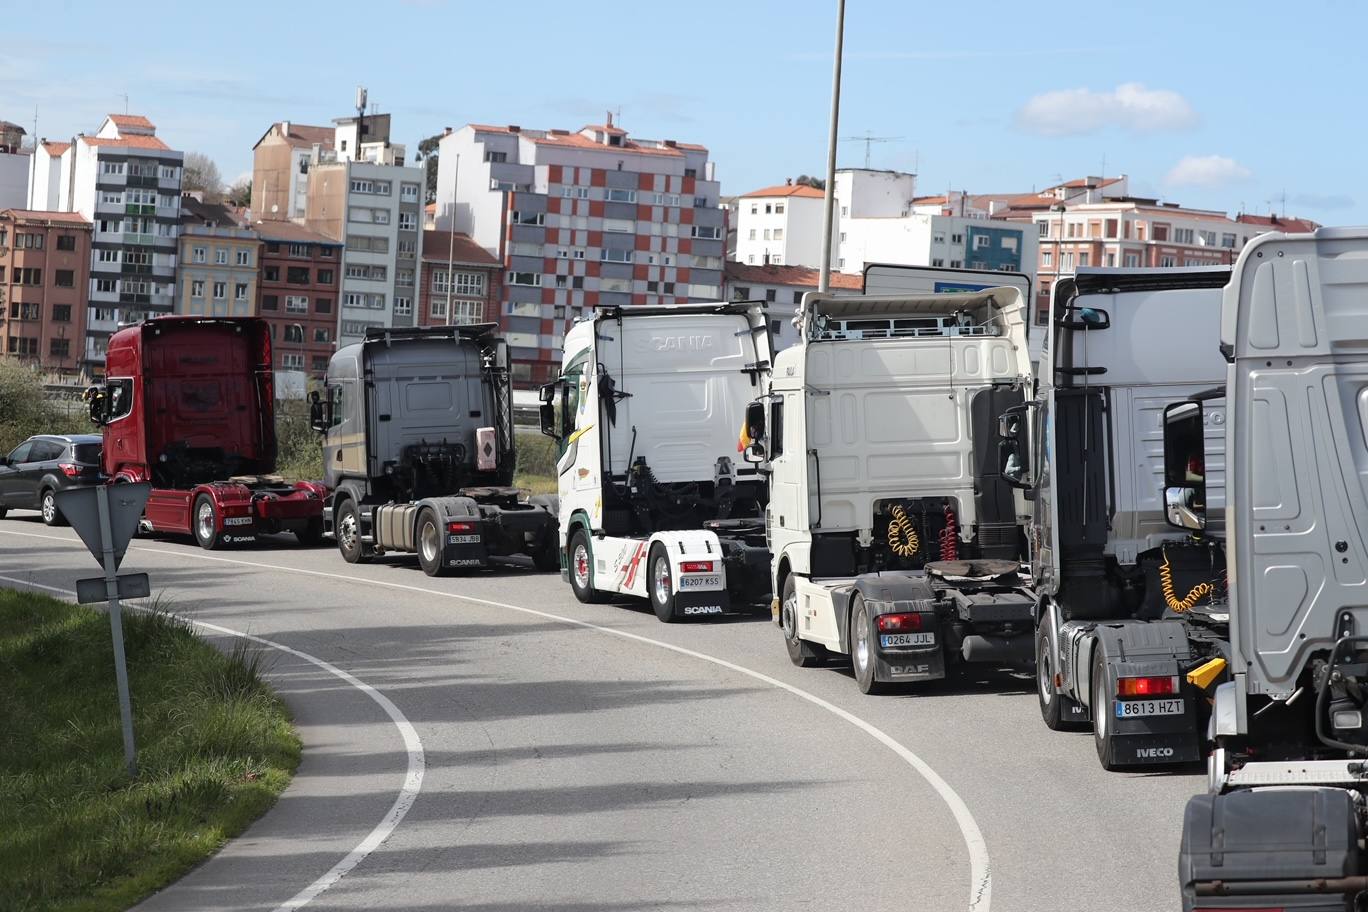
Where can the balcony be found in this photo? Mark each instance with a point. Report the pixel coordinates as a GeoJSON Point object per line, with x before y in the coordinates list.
{"type": "Point", "coordinates": [136, 209]}
{"type": "Point", "coordinates": [142, 180]}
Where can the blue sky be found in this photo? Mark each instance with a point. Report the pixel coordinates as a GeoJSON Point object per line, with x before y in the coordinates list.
{"type": "Point", "coordinates": [1220, 105]}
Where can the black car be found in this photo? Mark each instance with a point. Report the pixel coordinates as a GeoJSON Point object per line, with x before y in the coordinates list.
{"type": "Point", "coordinates": [42, 465]}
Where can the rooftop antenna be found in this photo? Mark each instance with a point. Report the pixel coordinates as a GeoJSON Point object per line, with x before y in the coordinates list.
{"type": "Point", "coordinates": [360, 121]}
{"type": "Point", "coordinates": [125, 98]}
{"type": "Point", "coordinates": [869, 139]}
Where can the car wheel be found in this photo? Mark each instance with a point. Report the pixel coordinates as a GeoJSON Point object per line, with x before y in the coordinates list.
{"type": "Point", "coordinates": [204, 523]}
{"type": "Point", "coordinates": [582, 568]}
{"type": "Point", "coordinates": [800, 651]}
{"type": "Point", "coordinates": [347, 529]}
{"type": "Point", "coordinates": [431, 545]}
{"type": "Point", "coordinates": [47, 504]}
{"type": "Point", "coordinates": [863, 648]}
{"type": "Point", "coordinates": [1102, 712]}
{"type": "Point", "coordinates": [310, 535]}
{"type": "Point", "coordinates": [660, 585]}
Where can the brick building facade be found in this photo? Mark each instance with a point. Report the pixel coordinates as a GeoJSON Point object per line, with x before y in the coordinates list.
{"type": "Point", "coordinates": [300, 284]}
{"type": "Point", "coordinates": [44, 286]}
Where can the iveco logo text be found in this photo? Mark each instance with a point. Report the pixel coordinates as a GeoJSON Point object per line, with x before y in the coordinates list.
{"type": "Point", "coordinates": [677, 343]}
{"type": "Point", "coordinates": [1153, 753]}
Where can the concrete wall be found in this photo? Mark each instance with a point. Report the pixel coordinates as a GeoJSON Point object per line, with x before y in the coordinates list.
{"type": "Point", "coordinates": [14, 177]}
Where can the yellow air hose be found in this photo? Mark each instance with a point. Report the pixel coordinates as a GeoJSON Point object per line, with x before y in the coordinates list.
{"type": "Point", "coordinates": [1199, 591]}
{"type": "Point", "coordinates": [902, 535]}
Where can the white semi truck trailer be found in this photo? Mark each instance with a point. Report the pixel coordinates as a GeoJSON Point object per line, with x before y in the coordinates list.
{"type": "Point", "coordinates": [655, 499]}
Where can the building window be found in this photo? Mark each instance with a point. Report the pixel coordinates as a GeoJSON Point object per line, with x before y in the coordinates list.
{"type": "Point", "coordinates": [325, 251]}
{"type": "Point", "coordinates": [61, 313]}
{"type": "Point", "coordinates": [65, 278]}
{"type": "Point", "coordinates": [705, 231]}
{"type": "Point", "coordinates": [767, 234]}
{"type": "Point", "coordinates": [110, 167]}
{"type": "Point", "coordinates": [297, 275]}
{"type": "Point", "coordinates": [220, 290]}
{"type": "Point", "coordinates": [408, 193]}
{"type": "Point", "coordinates": [845, 211]}
{"type": "Point", "coordinates": [362, 186]}
{"type": "Point", "coordinates": [408, 221]}
{"type": "Point", "coordinates": [200, 255]}
{"type": "Point", "coordinates": [323, 305]}
{"type": "Point", "coordinates": [325, 276]}
{"type": "Point", "coordinates": [197, 288]}
{"type": "Point", "coordinates": [59, 348]}
{"type": "Point", "coordinates": [291, 360]}
{"type": "Point", "coordinates": [271, 273]}
{"type": "Point", "coordinates": [220, 256]}
{"type": "Point", "coordinates": [530, 279]}
{"type": "Point", "coordinates": [404, 277]}
{"type": "Point", "coordinates": [407, 249]}
{"type": "Point", "coordinates": [403, 306]}
{"type": "Point", "coordinates": [1046, 258]}
{"type": "Point", "coordinates": [296, 304]}
{"type": "Point", "coordinates": [938, 261]}
{"type": "Point", "coordinates": [321, 336]}
{"type": "Point", "coordinates": [840, 263]}
{"type": "Point", "coordinates": [529, 218]}
{"type": "Point", "coordinates": [1181, 236]}
{"type": "Point", "coordinates": [240, 292]}
{"type": "Point", "coordinates": [495, 156]}
{"type": "Point", "coordinates": [1168, 261]}
{"type": "Point", "coordinates": [66, 242]}
{"type": "Point", "coordinates": [244, 258]}
{"type": "Point", "coordinates": [954, 264]}
{"type": "Point", "coordinates": [270, 302]}
{"type": "Point", "coordinates": [752, 235]}
{"type": "Point", "coordinates": [621, 196]}
{"type": "Point", "coordinates": [294, 333]}
{"type": "Point", "coordinates": [320, 363]}
{"type": "Point", "coordinates": [168, 173]}
{"type": "Point", "coordinates": [107, 256]}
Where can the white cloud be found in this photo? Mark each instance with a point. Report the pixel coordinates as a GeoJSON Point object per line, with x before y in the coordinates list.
{"type": "Point", "coordinates": [1206, 171]}
{"type": "Point", "coordinates": [1130, 106]}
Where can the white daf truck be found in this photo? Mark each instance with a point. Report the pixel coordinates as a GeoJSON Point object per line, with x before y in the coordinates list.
{"type": "Point", "coordinates": [655, 499]}
{"type": "Point", "coordinates": [893, 539]}
{"type": "Point", "coordinates": [1286, 818]}
{"type": "Point", "coordinates": [1128, 604]}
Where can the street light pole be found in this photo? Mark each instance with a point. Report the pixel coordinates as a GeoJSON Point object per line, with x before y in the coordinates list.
{"type": "Point", "coordinates": [829, 201]}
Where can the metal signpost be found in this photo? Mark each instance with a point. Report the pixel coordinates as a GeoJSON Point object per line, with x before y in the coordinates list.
{"type": "Point", "coordinates": [106, 516]}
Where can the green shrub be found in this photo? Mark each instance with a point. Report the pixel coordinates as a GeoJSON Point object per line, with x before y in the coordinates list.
{"type": "Point", "coordinates": [23, 410]}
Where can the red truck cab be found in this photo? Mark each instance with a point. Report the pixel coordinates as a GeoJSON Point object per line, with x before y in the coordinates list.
{"type": "Point", "coordinates": [189, 406]}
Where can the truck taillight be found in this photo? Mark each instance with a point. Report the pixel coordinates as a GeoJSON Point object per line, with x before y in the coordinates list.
{"type": "Point", "coordinates": [69, 470]}
{"type": "Point", "coordinates": [460, 527]}
{"type": "Point", "coordinates": [696, 567]}
{"type": "Point", "coordinates": [1146, 687]}
{"type": "Point", "coordinates": [899, 622]}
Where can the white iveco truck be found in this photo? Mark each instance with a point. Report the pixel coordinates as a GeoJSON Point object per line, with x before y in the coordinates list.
{"type": "Point", "coordinates": [1285, 822]}
{"type": "Point", "coordinates": [1128, 604]}
{"type": "Point", "coordinates": [893, 539]}
{"type": "Point", "coordinates": [655, 500]}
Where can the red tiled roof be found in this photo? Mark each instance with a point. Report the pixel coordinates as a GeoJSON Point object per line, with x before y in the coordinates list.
{"type": "Point", "coordinates": [606, 128]}
{"type": "Point", "coordinates": [692, 147]}
{"type": "Point", "coordinates": [71, 218]}
{"type": "Point", "coordinates": [306, 135]}
{"type": "Point", "coordinates": [131, 120]}
{"type": "Point", "coordinates": [789, 275]}
{"type": "Point", "coordinates": [930, 200]}
{"type": "Point", "coordinates": [1279, 223]}
{"type": "Point", "coordinates": [439, 245]}
{"type": "Point", "coordinates": [584, 142]}
{"type": "Point", "coordinates": [132, 142]}
{"type": "Point", "coordinates": [55, 148]}
{"type": "Point", "coordinates": [486, 128]}
{"type": "Point", "coordinates": [787, 190]}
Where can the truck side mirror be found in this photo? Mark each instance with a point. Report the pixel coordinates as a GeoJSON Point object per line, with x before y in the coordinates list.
{"type": "Point", "coordinates": [548, 420]}
{"type": "Point", "coordinates": [319, 419]}
{"type": "Point", "coordinates": [1185, 466]}
{"type": "Point", "coordinates": [1014, 447]}
{"type": "Point", "coordinates": [753, 434]}
{"type": "Point", "coordinates": [97, 402]}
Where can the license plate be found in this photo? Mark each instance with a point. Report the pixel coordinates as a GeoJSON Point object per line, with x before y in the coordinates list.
{"type": "Point", "coordinates": [1129, 709]}
{"type": "Point", "coordinates": [705, 581]}
{"type": "Point", "coordinates": [237, 520]}
{"type": "Point", "coordinates": [463, 539]}
{"type": "Point", "coordinates": [894, 640]}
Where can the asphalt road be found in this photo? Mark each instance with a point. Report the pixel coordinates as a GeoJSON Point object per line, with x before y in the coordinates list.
{"type": "Point", "coordinates": [488, 743]}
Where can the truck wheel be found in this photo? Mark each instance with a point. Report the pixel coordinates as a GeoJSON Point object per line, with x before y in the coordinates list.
{"type": "Point", "coordinates": [1051, 701]}
{"type": "Point", "coordinates": [862, 648]}
{"type": "Point", "coordinates": [660, 585]}
{"type": "Point", "coordinates": [48, 503]}
{"type": "Point", "coordinates": [347, 528]}
{"type": "Point", "coordinates": [1101, 712]}
{"type": "Point", "coordinates": [546, 556]}
{"type": "Point", "coordinates": [310, 535]}
{"type": "Point", "coordinates": [204, 523]}
{"type": "Point", "coordinates": [430, 545]}
{"type": "Point", "coordinates": [582, 568]}
{"type": "Point", "coordinates": [801, 653]}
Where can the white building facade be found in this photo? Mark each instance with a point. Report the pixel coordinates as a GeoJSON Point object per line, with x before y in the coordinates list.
{"type": "Point", "coordinates": [775, 225]}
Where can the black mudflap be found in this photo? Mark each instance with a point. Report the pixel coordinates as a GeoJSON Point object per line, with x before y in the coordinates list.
{"type": "Point", "coordinates": [464, 550]}
{"type": "Point", "coordinates": [1252, 849]}
{"type": "Point", "coordinates": [696, 604]}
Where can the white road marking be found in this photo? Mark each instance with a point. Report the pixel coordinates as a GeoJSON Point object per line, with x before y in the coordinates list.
{"type": "Point", "coordinates": [413, 745]}
{"type": "Point", "coordinates": [980, 872]}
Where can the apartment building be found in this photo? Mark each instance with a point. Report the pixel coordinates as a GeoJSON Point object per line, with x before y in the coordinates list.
{"type": "Point", "coordinates": [581, 219]}
{"type": "Point", "coordinates": [299, 290]}
{"type": "Point", "coordinates": [462, 282]}
{"type": "Point", "coordinates": [280, 168]}
{"type": "Point", "coordinates": [782, 289]}
{"type": "Point", "coordinates": [218, 262]}
{"type": "Point", "coordinates": [774, 225]}
{"type": "Point", "coordinates": [126, 181]}
{"type": "Point", "coordinates": [14, 166]}
{"type": "Point", "coordinates": [44, 282]}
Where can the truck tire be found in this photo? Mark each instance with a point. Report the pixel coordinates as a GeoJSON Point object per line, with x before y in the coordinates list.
{"type": "Point", "coordinates": [660, 585]}
{"type": "Point", "coordinates": [204, 522]}
{"type": "Point", "coordinates": [582, 568]}
{"type": "Point", "coordinates": [347, 529]}
{"type": "Point", "coordinates": [3, 511]}
{"type": "Point", "coordinates": [1101, 706]}
{"type": "Point", "coordinates": [47, 503]}
{"type": "Point", "coordinates": [546, 556]}
{"type": "Point", "coordinates": [863, 638]}
{"type": "Point", "coordinates": [428, 539]}
{"type": "Point", "coordinates": [800, 652]}
{"type": "Point", "coordinates": [1051, 700]}
{"type": "Point", "coordinates": [310, 535]}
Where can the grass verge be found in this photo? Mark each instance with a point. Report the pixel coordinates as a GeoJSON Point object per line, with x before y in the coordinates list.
{"type": "Point", "coordinates": [215, 749]}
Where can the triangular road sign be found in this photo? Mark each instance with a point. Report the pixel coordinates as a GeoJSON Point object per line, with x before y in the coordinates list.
{"type": "Point", "coordinates": [81, 508]}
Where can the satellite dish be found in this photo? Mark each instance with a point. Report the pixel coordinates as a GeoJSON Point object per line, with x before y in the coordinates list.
{"type": "Point", "coordinates": [275, 207]}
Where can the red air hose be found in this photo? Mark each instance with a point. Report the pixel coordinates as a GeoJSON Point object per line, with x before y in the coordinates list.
{"type": "Point", "coordinates": [949, 537]}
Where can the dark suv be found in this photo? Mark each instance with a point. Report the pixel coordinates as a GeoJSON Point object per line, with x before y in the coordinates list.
{"type": "Point", "coordinates": [40, 466]}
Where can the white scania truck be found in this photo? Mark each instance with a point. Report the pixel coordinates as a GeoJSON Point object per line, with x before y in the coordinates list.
{"type": "Point", "coordinates": [893, 538]}
{"type": "Point", "coordinates": [1285, 822]}
{"type": "Point", "coordinates": [655, 499]}
{"type": "Point", "coordinates": [1129, 605]}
